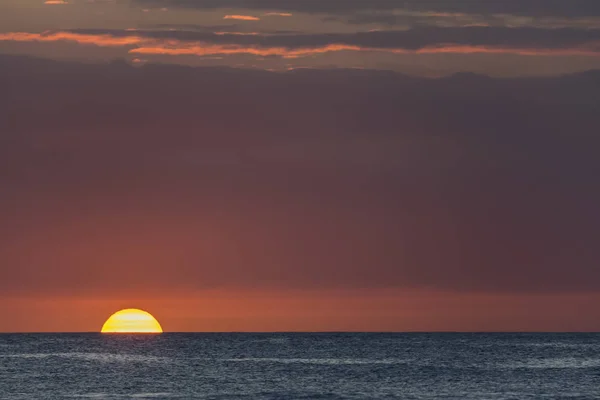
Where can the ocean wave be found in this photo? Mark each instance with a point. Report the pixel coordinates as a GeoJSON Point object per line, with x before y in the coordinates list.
{"type": "Point", "coordinates": [320, 361]}
{"type": "Point", "coordinates": [555, 363]}
{"type": "Point", "coordinates": [100, 357]}
{"type": "Point", "coordinates": [134, 396]}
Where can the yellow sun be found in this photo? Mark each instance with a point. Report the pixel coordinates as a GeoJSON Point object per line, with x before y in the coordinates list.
{"type": "Point", "coordinates": [131, 320]}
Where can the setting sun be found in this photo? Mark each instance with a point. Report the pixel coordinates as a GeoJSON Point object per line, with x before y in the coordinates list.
{"type": "Point", "coordinates": [131, 320]}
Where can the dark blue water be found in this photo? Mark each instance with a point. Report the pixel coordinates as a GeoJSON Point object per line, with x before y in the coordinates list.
{"type": "Point", "coordinates": [300, 366]}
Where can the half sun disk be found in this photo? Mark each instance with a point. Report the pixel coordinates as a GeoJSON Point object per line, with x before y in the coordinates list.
{"type": "Point", "coordinates": [131, 320]}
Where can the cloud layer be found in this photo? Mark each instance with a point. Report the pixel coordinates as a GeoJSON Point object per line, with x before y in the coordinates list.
{"type": "Point", "coordinates": [416, 13]}
{"type": "Point", "coordinates": [429, 40]}
{"type": "Point", "coordinates": [571, 8]}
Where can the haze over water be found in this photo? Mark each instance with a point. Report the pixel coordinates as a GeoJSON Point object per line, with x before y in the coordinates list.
{"type": "Point", "coordinates": [300, 366]}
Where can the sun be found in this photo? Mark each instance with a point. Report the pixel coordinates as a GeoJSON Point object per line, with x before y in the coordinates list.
{"type": "Point", "coordinates": [131, 320]}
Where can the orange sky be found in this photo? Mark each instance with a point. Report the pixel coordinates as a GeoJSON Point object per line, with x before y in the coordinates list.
{"type": "Point", "coordinates": [242, 310]}
{"type": "Point", "coordinates": [129, 188]}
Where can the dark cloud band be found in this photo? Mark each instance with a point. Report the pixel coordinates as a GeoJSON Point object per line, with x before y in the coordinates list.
{"type": "Point", "coordinates": [556, 8]}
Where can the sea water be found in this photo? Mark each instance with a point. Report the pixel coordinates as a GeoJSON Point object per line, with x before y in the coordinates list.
{"type": "Point", "coordinates": [300, 366]}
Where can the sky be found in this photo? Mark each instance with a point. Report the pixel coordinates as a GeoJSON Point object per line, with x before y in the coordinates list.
{"type": "Point", "coordinates": [300, 165]}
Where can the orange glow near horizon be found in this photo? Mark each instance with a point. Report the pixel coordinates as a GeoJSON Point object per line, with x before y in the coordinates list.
{"type": "Point", "coordinates": [131, 320]}
{"type": "Point", "coordinates": [271, 310]}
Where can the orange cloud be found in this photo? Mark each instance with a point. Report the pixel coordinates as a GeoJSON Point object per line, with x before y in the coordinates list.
{"type": "Point", "coordinates": [242, 17]}
{"type": "Point", "coordinates": [54, 2]}
{"type": "Point", "coordinates": [146, 45]}
{"type": "Point", "coordinates": [97, 40]}
{"type": "Point", "coordinates": [209, 49]}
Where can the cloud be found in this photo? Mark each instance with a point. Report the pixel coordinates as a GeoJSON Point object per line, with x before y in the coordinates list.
{"type": "Point", "coordinates": [97, 40]}
{"type": "Point", "coordinates": [55, 2]}
{"type": "Point", "coordinates": [191, 27]}
{"type": "Point", "coordinates": [162, 176]}
{"type": "Point", "coordinates": [204, 50]}
{"type": "Point", "coordinates": [408, 19]}
{"type": "Point", "coordinates": [237, 33]}
{"type": "Point", "coordinates": [430, 40]}
{"type": "Point", "coordinates": [560, 8]}
{"type": "Point", "coordinates": [522, 41]}
{"type": "Point", "coordinates": [411, 14]}
{"type": "Point", "coordinates": [242, 17]}
{"type": "Point", "coordinates": [277, 14]}
{"type": "Point", "coordinates": [138, 61]}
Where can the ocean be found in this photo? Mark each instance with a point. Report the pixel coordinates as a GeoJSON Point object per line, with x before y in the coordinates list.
{"type": "Point", "coordinates": [300, 366]}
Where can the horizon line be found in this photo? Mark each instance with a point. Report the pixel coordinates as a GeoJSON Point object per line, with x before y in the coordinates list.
{"type": "Point", "coordinates": [298, 332]}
